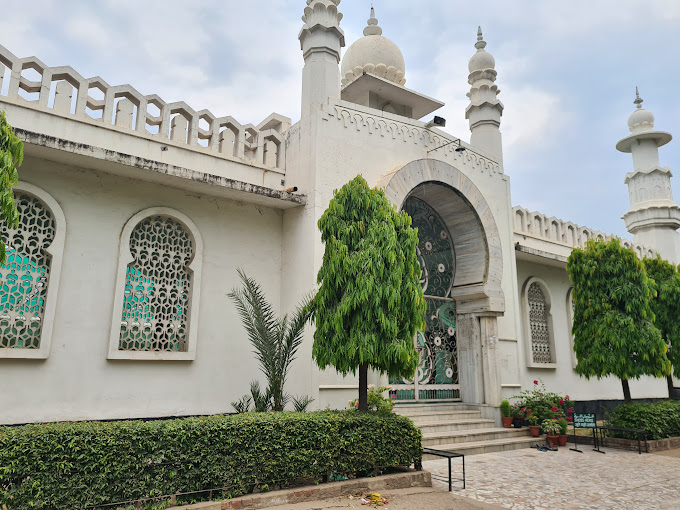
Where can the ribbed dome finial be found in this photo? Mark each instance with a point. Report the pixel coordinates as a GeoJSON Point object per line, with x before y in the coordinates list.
{"type": "Point", "coordinates": [638, 99]}
{"type": "Point", "coordinates": [372, 28]}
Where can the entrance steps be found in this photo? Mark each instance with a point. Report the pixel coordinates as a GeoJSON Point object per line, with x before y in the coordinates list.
{"type": "Point", "coordinates": [460, 428]}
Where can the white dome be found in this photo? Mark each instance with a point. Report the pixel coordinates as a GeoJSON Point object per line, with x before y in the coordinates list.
{"type": "Point", "coordinates": [640, 119]}
{"type": "Point", "coordinates": [482, 60]}
{"type": "Point", "coordinates": [374, 54]}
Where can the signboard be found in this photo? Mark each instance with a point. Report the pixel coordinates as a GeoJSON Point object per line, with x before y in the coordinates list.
{"type": "Point", "coordinates": [584, 421]}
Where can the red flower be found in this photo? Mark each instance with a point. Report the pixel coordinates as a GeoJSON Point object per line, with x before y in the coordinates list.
{"type": "Point", "coordinates": [561, 402]}
{"type": "Point", "coordinates": [569, 411]}
{"type": "Point", "coordinates": [569, 418]}
{"type": "Point", "coordinates": [567, 397]}
{"type": "Point", "coordinates": [554, 409]}
{"type": "Point", "coordinates": [535, 382]}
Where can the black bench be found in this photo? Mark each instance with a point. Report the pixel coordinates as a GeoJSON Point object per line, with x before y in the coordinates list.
{"type": "Point", "coordinates": [449, 456]}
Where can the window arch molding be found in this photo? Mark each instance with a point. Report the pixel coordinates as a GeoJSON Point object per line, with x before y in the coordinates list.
{"type": "Point", "coordinates": [529, 340]}
{"type": "Point", "coordinates": [56, 252]}
{"type": "Point", "coordinates": [194, 267]}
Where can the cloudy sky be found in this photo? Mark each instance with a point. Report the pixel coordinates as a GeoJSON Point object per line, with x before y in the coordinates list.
{"type": "Point", "coordinates": [567, 72]}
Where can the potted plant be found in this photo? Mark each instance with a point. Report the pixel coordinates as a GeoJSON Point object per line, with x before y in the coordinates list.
{"type": "Point", "coordinates": [552, 430]}
{"type": "Point", "coordinates": [505, 412]}
{"type": "Point", "coordinates": [534, 427]}
{"type": "Point", "coordinates": [563, 431]}
{"type": "Point", "coordinates": [518, 414]}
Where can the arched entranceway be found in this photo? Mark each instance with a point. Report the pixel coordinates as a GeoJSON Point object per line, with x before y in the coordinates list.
{"type": "Point", "coordinates": [461, 262]}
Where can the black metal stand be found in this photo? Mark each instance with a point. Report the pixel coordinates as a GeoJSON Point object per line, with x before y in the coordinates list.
{"type": "Point", "coordinates": [575, 449]}
{"type": "Point", "coordinates": [449, 456]}
{"type": "Point", "coordinates": [596, 442]}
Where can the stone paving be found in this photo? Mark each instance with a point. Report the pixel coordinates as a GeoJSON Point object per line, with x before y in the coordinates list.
{"type": "Point", "coordinates": [528, 479]}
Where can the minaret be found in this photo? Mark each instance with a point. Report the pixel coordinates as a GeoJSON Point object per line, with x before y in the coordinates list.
{"type": "Point", "coordinates": [321, 39]}
{"type": "Point", "coordinates": [653, 217]}
{"type": "Point", "coordinates": [485, 110]}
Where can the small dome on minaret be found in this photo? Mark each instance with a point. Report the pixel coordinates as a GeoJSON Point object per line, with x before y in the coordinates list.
{"type": "Point", "coordinates": [373, 54]}
{"type": "Point", "coordinates": [481, 60]}
{"type": "Point", "coordinates": [640, 119]}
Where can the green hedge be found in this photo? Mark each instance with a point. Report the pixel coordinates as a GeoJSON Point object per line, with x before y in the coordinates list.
{"type": "Point", "coordinates": [659, 419]}
{"type": "Point", "coordinates": [76, 465]}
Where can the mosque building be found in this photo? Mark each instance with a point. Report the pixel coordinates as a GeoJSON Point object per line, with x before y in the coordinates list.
{"type": "Point", "coordinates": [136, 214]}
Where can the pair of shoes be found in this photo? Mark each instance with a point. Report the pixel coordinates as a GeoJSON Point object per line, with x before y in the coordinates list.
{"type": "Point", "coordinates": [541, 448]}
{"type": "Point", "coordinates": [550, 448]}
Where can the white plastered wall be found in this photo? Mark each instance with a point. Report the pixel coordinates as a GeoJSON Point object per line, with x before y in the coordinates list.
{"type": "Point", "coordinates": [77, 381]}
{"type": "Point", "coordinates": [333, 151]}
{"type": "Point", "coordinates": [562, 379]}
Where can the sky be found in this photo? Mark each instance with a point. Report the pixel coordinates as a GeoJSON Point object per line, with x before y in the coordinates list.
{"type": "Point", "coordinates": [567, 72]}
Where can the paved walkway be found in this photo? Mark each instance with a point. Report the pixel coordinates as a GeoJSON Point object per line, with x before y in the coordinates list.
{"type": "Point", "coordinates": [531, 480]}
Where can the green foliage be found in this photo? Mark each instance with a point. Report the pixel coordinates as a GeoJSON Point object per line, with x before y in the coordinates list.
{"type": "Point", "coordinates": [11, 157]}
{"type": "Point", "coordinates": [614, 332]}
{"type": "Point", "coordinates": [666, 306]}
{"type": "Point", "coordinates": [542, 404]}
{"type": "Point", "coordinates": [376, 401]}
{"type": "Point", "coordinates": [242, 405]}
{"type": "Point", "coordinates": [262, 399]}
{"type": "Point", "coordinates": [75, 465]}
{"type": "Point", "coordinates": [301, 403]}
{"type": "Point", "coordinates": [563, 425]}
{"type": "Point", "coordinates": [659, 419]}
{"type": "Point", "coordinates": [505, 408]}
{"type": "Point", "coordinates": [370, 302]}
{"type": "Point", "coordinates": [550, 427]}
{"type": "Point", "coordinates": [276, 340]}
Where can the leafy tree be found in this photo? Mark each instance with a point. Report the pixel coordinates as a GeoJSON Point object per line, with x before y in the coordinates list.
{"type": "Point", "coordinates": [370, 303]}
{"type": "Point", "coordinates": [666, 308]}
{"type": "Point", "coordinates": [11, 157]}
{"type": "Point", "coordinates": [614, 332]}
{"type": "Point", "coordinates": [276, 340]}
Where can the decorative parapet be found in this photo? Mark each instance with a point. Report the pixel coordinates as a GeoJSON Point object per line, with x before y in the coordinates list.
{"type": "Point", "coordinates": [385, 125]}
{"type": "Point", "coordinates": [538, 225]}
{"type": "Point", "coordinates": [62, 91]}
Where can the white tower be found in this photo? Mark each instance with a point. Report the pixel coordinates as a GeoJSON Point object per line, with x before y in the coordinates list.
{"type": "Point", "coordinates": [321, 39]}
{"type": "Point", "coordinates": [653, 217]}
{"type": "Point", "coordinates": [485, 110]}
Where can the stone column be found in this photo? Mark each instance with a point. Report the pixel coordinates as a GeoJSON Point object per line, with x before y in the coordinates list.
{"type": "Point", "coordinates": [470, 367]}
{"type": "Point", "coordinates": [490, 366]}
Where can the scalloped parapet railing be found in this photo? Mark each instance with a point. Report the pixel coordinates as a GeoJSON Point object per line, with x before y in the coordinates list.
{"type": "Point", "coordinates": [62, 91]}
{"type": "Point", "coordinates": [539, 225]}
{"type": "Point", "coordinates": [381, 124]}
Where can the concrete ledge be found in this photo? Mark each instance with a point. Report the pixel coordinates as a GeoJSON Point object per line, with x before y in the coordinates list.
{"type": "Point", "coordinates": [316, 492]}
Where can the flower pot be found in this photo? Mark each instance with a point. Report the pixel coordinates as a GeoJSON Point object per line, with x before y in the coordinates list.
{"type": "Point", "coordinates": [535, 430]}
{"type": "Point", "coordinates": [553, 440]}
{"type": "Point", "coordinates": [563, 439]}
{"type": "Point", "coordinates": [507, 422]}
{"type": "Point", "coordinates": [517, 423]}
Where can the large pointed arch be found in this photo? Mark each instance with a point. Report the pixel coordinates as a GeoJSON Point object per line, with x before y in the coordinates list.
{"type": "Point", "coordinates": [479, 257]}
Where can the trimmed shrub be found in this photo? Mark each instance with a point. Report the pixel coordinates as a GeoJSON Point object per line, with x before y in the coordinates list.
{"type": "Point", "coordinates": [77, 465]}
{"type": "Point", "coordinates": [659, 419]}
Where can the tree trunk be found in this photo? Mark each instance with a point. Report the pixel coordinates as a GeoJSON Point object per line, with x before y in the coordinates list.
{"type": "Point", "coordinates": [669, 380]}
{"type": "Point", "coordinates": [626, 391]}
{"type": "Point", "coordinates": [363, 387]}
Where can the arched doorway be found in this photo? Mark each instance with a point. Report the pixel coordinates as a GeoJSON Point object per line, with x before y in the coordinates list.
{"type": "Point", "coordinates": [461, 259]}
{"type": "Point", "coordinates": [437, 375]}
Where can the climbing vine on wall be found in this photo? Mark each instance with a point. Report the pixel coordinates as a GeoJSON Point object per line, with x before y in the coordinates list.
{"type": "Point", "coordinates": [11, 157]}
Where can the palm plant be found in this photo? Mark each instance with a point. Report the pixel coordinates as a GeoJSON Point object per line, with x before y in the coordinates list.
{"type": "Point", "coordinates": [275, 340]}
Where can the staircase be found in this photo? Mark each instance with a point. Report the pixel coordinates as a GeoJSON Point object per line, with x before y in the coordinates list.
{"type": "Point", "coordinates": [460, 428]}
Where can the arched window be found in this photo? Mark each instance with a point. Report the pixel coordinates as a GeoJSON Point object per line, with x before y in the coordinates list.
{"type": "Point", "coordinates": [157, 291]}
{"type": "Point", "coordinates": [539, 330]}
{"type": "Point", "coordinates": [30, 277]}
